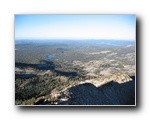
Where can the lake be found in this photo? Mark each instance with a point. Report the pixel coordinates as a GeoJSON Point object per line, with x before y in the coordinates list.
{"type": "Point", "coordinates": [51, 56]}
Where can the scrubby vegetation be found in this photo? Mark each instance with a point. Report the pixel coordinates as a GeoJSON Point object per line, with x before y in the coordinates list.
{"type": "Point", "coordinates": [36, 75]}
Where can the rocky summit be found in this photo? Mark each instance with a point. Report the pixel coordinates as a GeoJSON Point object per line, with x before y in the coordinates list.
{"type": "Point", "coordinates": [118, 90]}
{"type": "Point", "coordinates": [111, 93]}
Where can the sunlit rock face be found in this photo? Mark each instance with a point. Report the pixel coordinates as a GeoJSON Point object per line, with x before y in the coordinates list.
{"type": "Point", "coordinates": [112, 93]}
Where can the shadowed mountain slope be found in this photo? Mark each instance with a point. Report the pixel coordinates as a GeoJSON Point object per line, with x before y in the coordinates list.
{"type": "Point", "coordinates": [114, 92]}
{"type": "Point", "coordinates": [111, 93]}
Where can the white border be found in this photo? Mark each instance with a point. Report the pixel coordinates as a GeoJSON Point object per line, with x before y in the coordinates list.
{"type": "Point", "coordinates": [10, 7]}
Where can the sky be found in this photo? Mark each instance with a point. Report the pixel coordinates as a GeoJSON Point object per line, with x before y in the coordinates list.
{"type": "Point", "coordinates": [116, 27]}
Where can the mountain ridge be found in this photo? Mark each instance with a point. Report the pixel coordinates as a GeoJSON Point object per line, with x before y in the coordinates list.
{"type": "Point", "coordinates": [114, 92]}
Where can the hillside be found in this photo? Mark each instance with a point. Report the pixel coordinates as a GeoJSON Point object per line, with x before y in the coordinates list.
{"type": "Point", "coordinates": [110, 93]}
{"type": "Point", "coordinates": [57, 72]}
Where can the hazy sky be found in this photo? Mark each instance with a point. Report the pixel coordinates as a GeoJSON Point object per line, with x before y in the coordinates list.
{"type": "Point", "coordinates": [120, 27]}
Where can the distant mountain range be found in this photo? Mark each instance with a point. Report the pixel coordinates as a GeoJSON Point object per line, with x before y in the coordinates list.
{"type": "Point", "coordinates": [117, 43]}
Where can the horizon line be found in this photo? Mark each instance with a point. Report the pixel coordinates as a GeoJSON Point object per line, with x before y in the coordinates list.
{"type": "Point", "coordinates": [70, 39]}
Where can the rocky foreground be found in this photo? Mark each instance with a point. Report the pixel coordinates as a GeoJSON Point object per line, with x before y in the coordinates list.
{"type": "Point", "coordinates": [117, 89]}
